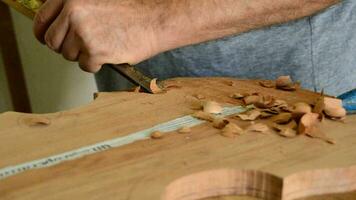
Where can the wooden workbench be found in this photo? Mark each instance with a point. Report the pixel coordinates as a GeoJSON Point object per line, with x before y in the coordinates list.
{"type": "Point", "coordinates": [195, 165]}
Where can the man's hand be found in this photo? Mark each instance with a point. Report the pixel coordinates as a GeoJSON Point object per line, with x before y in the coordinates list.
{"type": "Point", "coordinates": [95, 32]}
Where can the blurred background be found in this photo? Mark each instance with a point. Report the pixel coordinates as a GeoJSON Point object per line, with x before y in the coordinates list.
{"type": "Point", "coordinates": [53, 83]}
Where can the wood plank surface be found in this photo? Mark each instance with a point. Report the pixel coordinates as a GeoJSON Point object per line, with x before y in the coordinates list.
{"type": "Point", "coordinates": [196, 165]}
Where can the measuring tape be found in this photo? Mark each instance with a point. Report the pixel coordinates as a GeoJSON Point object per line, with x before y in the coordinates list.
{"type": "Point", "coordinates": [173, 125]}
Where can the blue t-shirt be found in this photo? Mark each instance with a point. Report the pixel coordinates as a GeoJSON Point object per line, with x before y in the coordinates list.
{"type": "Point", "coordinates": [319, 51]}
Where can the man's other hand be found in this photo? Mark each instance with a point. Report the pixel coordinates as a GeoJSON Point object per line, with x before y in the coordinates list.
{"type": "Point", "coordinates": [95, 32]}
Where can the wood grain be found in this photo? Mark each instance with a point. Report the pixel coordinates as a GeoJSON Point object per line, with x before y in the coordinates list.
{"type": "Point", "coordinates": [197, 165]}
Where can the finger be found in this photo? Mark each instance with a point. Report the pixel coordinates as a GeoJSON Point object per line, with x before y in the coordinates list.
{"type": "Point", "coordinates": [56, 33]}
{"type": "Point", "coordinates": [45, 16]}
{"type": "Point", "coordinates": [71, 46]}
{"type": "Point", "coordinates": [89, 64]}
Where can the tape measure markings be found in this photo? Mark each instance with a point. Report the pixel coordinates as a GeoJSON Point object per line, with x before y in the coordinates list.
{"type": "Point", "coordinates": [166, 127]}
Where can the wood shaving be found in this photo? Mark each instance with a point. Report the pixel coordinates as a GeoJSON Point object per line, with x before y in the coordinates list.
{"type": "Point", "coordinates": [184, 129]}
{"type": "Point", "coordinates": [265, 115]}
{"type": "Point", "coordinates": [157, 135]}
{"type": "Point", "coordinates": [204, 116]}
{"type": "Point", "coordinates": [267, 84]}
{"type": "Point", "coordinates": [282, 118]}
{"type": "Point", "coordinates": [299, 109]}
{"type": "Point", "coordinates": [283, 81]}
{"type": "Point", "coordinates": [286, 83]}
{"type": "Point", "coordinates": [252, 99]}
{"type": "Point", "coordinates": [220, 123]}
{"type": "Point", "coordinates": [279, 103]}
{"type": "Point", "coordinates": [333, 108]}
{"type": "Point", "coordinates": [237, 96]}
{"type": "Point", "coordinates": [308, 123]}
{"type": "Point", "coordinates": [231, 130]}
{"type": "Point", "coordinates": [212, 107]}
{"type": "Point", "coordinates": [38, 121]}
{"type": "Point", "coordinates": [154, 87]}
{"type": "Point", "coordinates": [249, 115]}
{"type": "Point", "coordinates": [259, 127]}
{"type": "Point", "coordinates": [265, 102]}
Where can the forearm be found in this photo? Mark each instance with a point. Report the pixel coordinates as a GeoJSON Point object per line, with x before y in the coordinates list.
{"type": "Point", "coordinates": [187, 22]}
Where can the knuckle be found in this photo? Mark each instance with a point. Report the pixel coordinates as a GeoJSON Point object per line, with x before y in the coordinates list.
{"type": "Point", "coordinates": [89, 65]}
{"type": "Point", "coordinates": [69, 56]}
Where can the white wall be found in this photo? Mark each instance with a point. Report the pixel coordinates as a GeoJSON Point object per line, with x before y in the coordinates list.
{"type": "Point", "coordinates": [53, 83]}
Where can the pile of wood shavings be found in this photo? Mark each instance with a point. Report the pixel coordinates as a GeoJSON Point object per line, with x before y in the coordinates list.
{"type": "Point", "coordinates": [288, 120]}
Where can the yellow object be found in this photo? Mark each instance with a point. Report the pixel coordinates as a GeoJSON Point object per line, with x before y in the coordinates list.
{"type": "Point", "coordinates": [34, 5]}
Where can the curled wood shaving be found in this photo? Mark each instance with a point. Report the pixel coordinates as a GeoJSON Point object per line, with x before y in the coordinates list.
{"type": "Point", "coordinates": [204, 116]}
{"type": "Point", "coordinates": [299, 109]}
{"type": "Point", "coordinates": [249, 115]}
{"type": "Point", "coordinates": [154, 87]}
{"type": "Point", "coordinates": [265, 102]}
{"type": "Point", "coordinates": [38, 121]}
{"type": "Point", "coordinates": [184, 129]}
{"type": "Point", "coordinates": [333, 108]}
{"type": "Point", "coordinates": [259, 127]}
{"type": "Point", "coordinates": [308, 123]}
{"type": "Point", "coordinates": [286, 83]}
{"type": "Point", "coordinates": [267, 84]}
{"type": "Point", "coordinates": [220, 123]}
{"type": "Point", "coordinates": [279, 103]}
{"type": "Point", "coordinates": [252, 99]}
{"type": "Point", "coordinates": [282, 118]}
{"type": "Point", "coordinates": [156, 135]}
{"type": "Point", "coordinates": [212, 107]}
{"type": "Point", "coordinates": [283, 81]}
{"type": "Point", "coordinates": [265, 115]}
{"type": "Point", "coordinates": [231, 130]}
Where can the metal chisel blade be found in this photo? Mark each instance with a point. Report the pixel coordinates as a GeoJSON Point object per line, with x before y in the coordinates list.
{"type": "Point", "coordinates": [133, 75]}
